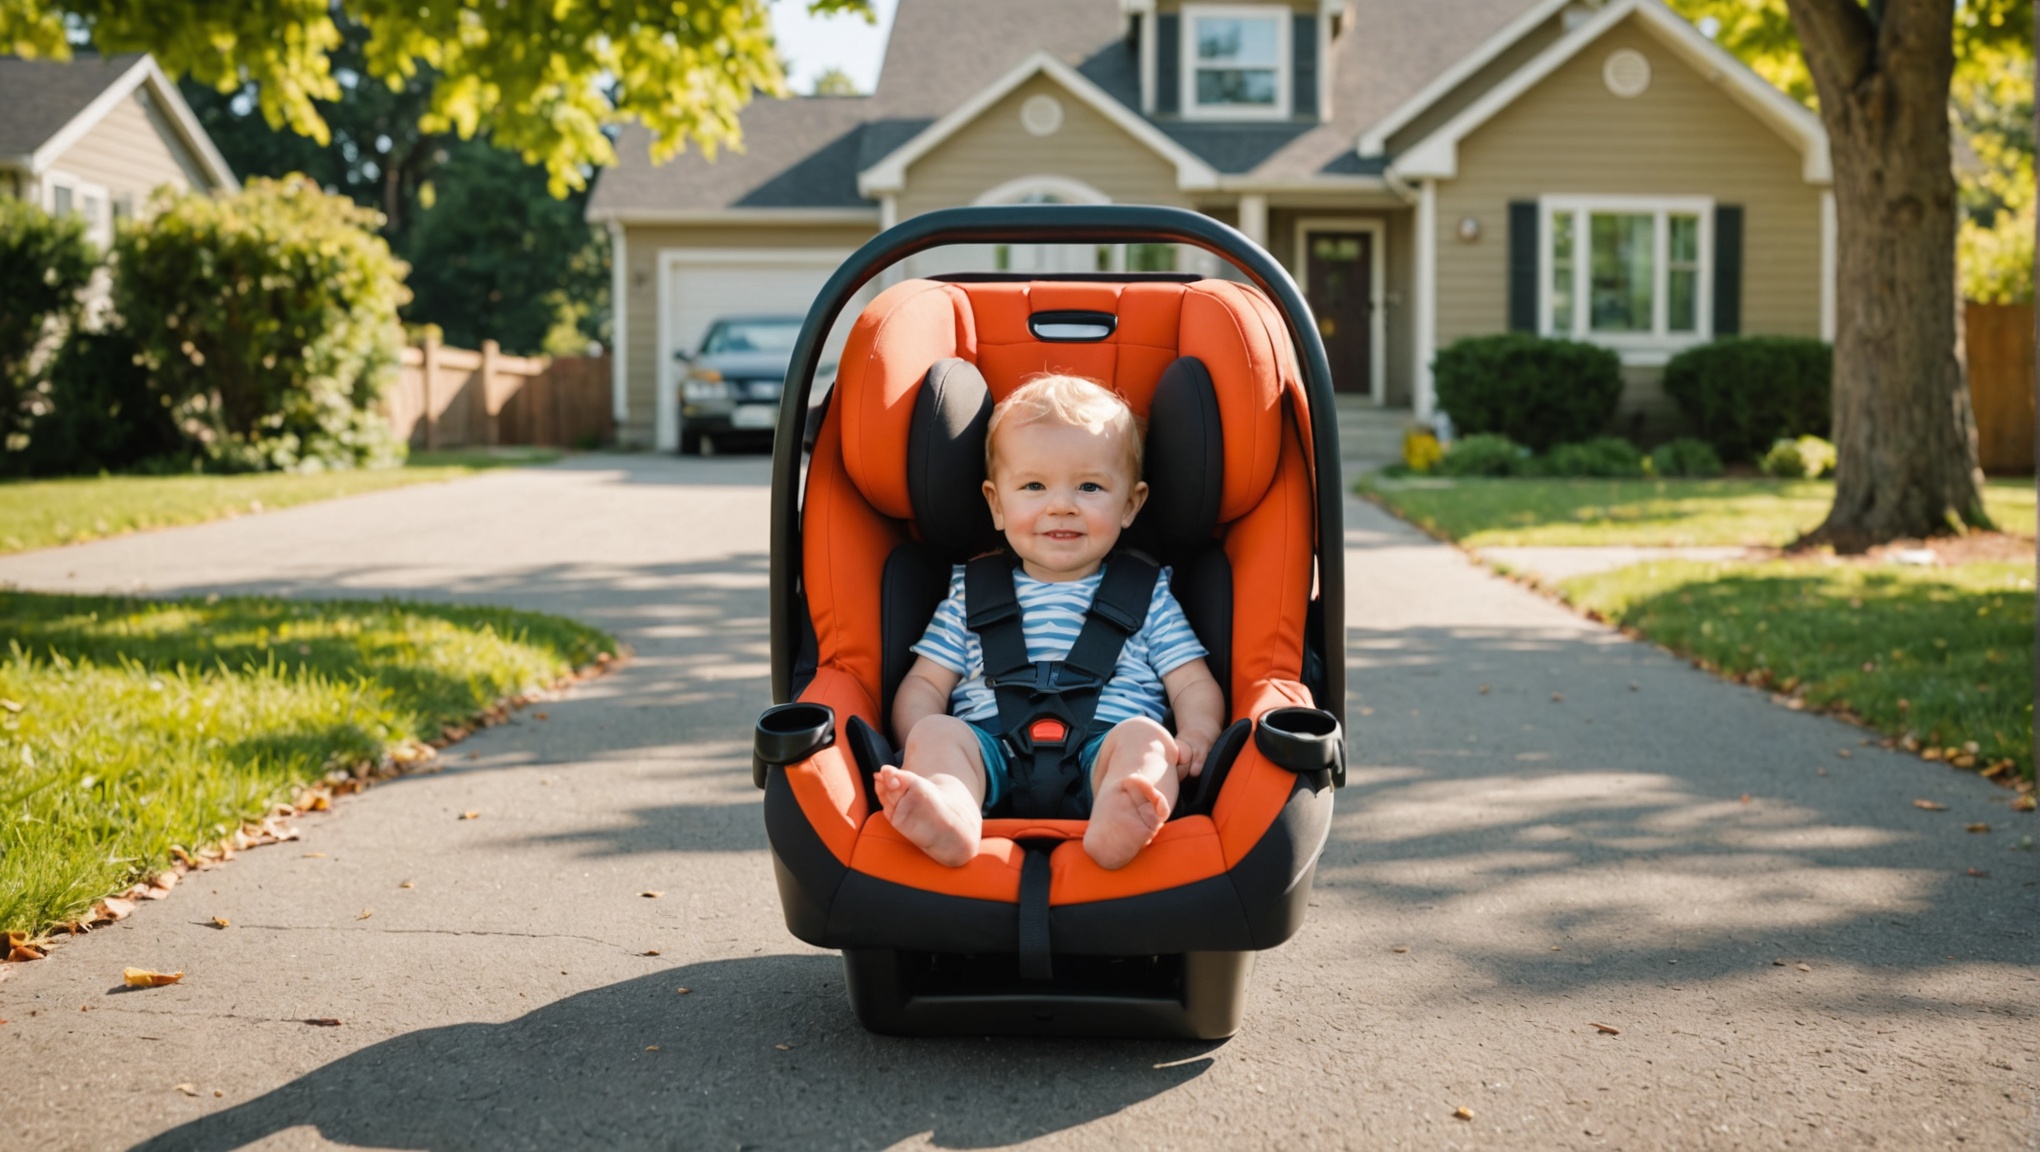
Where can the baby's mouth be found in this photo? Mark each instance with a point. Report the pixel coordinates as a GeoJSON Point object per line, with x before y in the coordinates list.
{"type": "Point", "coordinates": [1063, 535]}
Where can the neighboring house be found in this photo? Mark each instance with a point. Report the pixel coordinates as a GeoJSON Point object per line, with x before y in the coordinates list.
{"type": "Point", "coordinates": [1426, 169]}
{"type": "Point", "coordinates": [96, 135]}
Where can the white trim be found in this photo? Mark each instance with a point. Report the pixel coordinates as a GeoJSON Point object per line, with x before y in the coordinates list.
{"type": "Point", "coordinates": [863, 215]}
{"type": "Point", "coordinates": [1325, 62]}
{"type": "Point", "coordinates": [1427, 296]}
{"type": "Point", "coordinates": [1285, 64]}
{"type": "Point", "coordinates": [1374, 141]}
{"type": "Point", "coordinates": [1437, 155]}
{"type": "Point", "coordinates": [143, 71]}
{"type": "Point", "coordinates": [1063, 188]}
{"type": "Point", "coordinates": [1254, 217]}
{"type": "Point", "coordinates": [1148, 31]}
{"type": "Point", "coordinates": [619, 328]}
{"type": "Point", "coordinates": [1828, 255]}
{"type": "Point", "coordinates": [1377, 278]}
{"type": "Point", "coordinates": [666, 402]}
{"type": "Point", "coordinates": [1660, 340]}
{"type": "Point", "coordinates": [1334, 184]}
{"type": "Point", "coordinates": [889, 174]}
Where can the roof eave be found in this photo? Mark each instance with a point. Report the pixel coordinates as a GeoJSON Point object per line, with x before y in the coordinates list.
{"type": "Point", "coordinates": [736, 215]}
{"type": "Point", "coordinates": [143, 71]}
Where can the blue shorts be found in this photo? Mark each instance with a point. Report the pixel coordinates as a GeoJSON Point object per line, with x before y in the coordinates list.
{"type": "Point", "coordinates": [998, 775]}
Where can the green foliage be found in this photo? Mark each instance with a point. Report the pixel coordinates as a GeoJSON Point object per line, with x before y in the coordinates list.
{"type": "Point", "coordinates": [1484, 454]}
{"type": "Point", "coordinates": [1421, 450]}
{"type": "Point", "coordinates": [1609, 457]}
{"type": "Point", "coordinates": [1801, 458]}
{"type": "Point", "coordinates": [1685, 457]}
{"type": "Point", "coordinates": [270, 318]}
{"type": "Point", "coordinates": [1996, 259]}
{"type": "Point", "coordinates": [1535, 391]}
{"type": "Point", "coordinates": [102, 413]}
{"type": "Point", "coordinates": [834, 82]}
{"type": "Point", "coordinates": [545, 80]}
{"type": "Point", "coordinates": [1743, 393]}
{"type": "Point", "coordinates": [45, 263]}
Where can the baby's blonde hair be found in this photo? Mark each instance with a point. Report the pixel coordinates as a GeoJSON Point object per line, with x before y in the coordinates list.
{"type": "Point", "coordinates": [1072, 401]}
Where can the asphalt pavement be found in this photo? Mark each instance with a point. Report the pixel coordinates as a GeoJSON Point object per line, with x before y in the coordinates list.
{"type": "Point", "coordinates": [1578, 889]}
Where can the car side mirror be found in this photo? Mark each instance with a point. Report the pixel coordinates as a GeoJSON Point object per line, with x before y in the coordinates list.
{"type": "Point", "coordinates": [682, 355]}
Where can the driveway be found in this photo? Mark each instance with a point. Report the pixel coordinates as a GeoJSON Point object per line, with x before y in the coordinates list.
{"type": "Point", "coordinates": [1579, 889]}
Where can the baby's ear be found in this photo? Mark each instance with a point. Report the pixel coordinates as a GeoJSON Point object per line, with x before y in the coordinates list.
{"type": "Point", "coordinates": [992, 499]}
{"type": "Point", "coordinates": [1133, 503]}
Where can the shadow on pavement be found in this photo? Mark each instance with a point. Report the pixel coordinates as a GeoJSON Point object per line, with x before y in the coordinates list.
{"type": "Point", "coordinates": [763, 1051]}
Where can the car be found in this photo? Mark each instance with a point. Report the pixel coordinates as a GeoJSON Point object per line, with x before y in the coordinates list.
{"type": "Point", "coordinates": [729, 386]}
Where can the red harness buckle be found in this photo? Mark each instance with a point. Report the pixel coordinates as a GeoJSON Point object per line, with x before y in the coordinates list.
{"type": "Point", "coordinates": [1047, 730]}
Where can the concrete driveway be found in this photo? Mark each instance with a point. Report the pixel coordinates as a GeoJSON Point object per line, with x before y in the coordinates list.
{"type": "Point", "coordinates": [1550, 829]}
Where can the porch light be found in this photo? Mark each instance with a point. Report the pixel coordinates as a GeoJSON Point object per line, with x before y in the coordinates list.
{"type": "Point", "coordinates": [1469, 228]}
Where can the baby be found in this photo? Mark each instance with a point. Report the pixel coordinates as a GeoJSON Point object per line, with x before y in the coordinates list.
{"type": "Point", "coordinates": [1063, 461]}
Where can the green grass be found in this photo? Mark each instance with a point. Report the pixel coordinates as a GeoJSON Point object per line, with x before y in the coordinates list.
{"type": "Point", "coordinates": [1945, 654]}
{"type": "Point", "coordinates": [129, 726]}
{"type": "Point", "coordinates": [1491, 513]}
{"type": "Point", "coordinates": [46, 513]}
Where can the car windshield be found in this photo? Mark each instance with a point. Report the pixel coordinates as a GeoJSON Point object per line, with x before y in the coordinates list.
{"type": "Point", "coordinates": [768, 334]}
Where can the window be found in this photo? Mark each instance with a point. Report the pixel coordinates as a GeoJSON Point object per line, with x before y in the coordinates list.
{"type": "Point", "coordinates": [1236, 62]}
{"type": "Point", "coordinates": [1629, 272]}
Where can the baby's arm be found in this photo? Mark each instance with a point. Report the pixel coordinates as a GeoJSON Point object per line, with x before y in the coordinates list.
{"type": "Point", "coordinates": [924, 693]}
{"type": "Point", "coordinates": [1199, 705]}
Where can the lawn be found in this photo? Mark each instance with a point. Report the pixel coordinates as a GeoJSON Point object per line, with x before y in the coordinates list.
{"type": "Point", "coordinates": [131, 726]}
{"type": "Point", "coordinates": [1490, 513]}
{"type": "Point", "coordinates": [46, 513]}
{"type": "Point", "coordinates": [1944, 655]}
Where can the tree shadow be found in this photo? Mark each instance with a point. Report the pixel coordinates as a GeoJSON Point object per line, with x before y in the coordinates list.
{"type": "Point", "coordinates": [762, 1052]}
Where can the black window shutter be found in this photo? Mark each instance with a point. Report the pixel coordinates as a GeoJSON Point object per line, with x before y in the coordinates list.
{"type": "Point", "coordinates": [1522, 265]}
{"type": "Point", "coordinates": [1728, 224]}
{"type": "Point", "coordinates": [1168, 63]}
{"type": "Point", "coordinates": [1303, 54]}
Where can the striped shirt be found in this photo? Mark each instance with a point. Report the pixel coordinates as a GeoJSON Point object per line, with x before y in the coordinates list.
{"type": "Point", "coordinates": [1051, 615]}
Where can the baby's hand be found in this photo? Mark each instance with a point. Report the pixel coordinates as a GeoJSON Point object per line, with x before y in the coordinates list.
{"type": "Point", "coordinates": [1191, 748]}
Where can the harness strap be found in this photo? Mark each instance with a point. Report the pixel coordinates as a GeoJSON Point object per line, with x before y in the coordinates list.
{"type": "Point", "coordinates": [1036, 875]}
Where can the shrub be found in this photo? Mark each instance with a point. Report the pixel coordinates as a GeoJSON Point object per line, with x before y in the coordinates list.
{"type": "Point", "coordinates": [1535, 391]}
{"type": "Point", "coordinates": [1601, 456]}
{"type": "Point", "coordinates": [1803, 458]}
{"type": "Point", "coordinates": [45, 263]}
{"type": "Point", "coordinates": [104, 414]}
{"type": "Point", "coordinates": [1686, 456]}
{"type": "Point", "coordinates": [1484, 455]}
{"type": "Point", "coordinates": [1743, 393]}
{"type": "Point", "coordinates": [270, 319]}
{"type": "Point", "coordinates": [1421, 450]}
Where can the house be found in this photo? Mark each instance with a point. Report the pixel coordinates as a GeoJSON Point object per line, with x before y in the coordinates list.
{"type": "Point", "coordinates": [1426, 169]}
{"type": "Point", "coordinates": [96, 135]}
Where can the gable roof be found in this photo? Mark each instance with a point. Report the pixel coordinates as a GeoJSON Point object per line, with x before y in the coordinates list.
{"type": "Point", "coordinates": [51, 104]}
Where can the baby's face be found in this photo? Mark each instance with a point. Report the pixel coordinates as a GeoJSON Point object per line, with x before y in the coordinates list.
{"type": "Point", "coordinates": [1062, 494]}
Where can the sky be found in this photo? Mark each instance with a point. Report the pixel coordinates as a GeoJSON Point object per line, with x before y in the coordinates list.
{"type": "Point", "coordinates": [811, 46]}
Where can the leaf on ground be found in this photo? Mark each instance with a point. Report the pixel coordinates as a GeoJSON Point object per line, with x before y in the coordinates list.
{"type": "Point", "coordinates": [1979, 873]}
{"type": "Point", "coordinates": [144, 978]}
{"type": "Point", "coordinates": [2025, 803]}
{"type": "Point", "coordinates": [1930, 805]}
{"type": "Point", "coordinates": [1745, 798]}
{"type": "Point", "coordinates": [651, 1047]}
{"type": "Point", "coordinates": [651, 894]}
{"type": "Point", "coordinates": [1844, 753]}
{"type": "Point", "coordinates": [18, 952]}
{"type": "Point", "coordinates": [1558, 697]}
{"type": "Point", "coordinates": [1462, 1113]}
{"type": "Point", "coordinates": [1605, 1029]}
{"type": "Point", "coordinates": [649, 952]}
{"type": "Point", "coordinates": [222, 922]}
{"type": "Point", "coordinates": [471, 814]}
{"type": "Point", "coordinates": [683, 991]}
{"type": "Point", "coordinates": [784, 1047]}
{"type": "Point", "coordinates": [365, 913]}
{"type": "Point", "coordinates": [1483, 689]}
{"type": "Point", "coordinates": [1804, 967]}
{"type": "Point", "coordinates": [408, 884]}
{"type": "Point", "coordinates": [187, 1089]}
{"type": "Point", "coordinates": [1977, 828]}
{"type": "Point", "coordinates": [323, 1021]}
{"type": "Point", "coordinates": [1400, 948]}
{"type": "Point", "coordinates": [313, 856]}
{"type": "Point", "coordinates": [113, 908]}
{"type": "Point", "coordinates": [540, 716]}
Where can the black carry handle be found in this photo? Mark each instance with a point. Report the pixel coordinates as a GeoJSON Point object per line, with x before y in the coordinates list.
{"type": "Point", "coordinates": [789, 734]}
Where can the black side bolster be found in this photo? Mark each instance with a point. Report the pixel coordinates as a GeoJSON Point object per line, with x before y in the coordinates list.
{"type": "Point", "coordinates": [809, 874]}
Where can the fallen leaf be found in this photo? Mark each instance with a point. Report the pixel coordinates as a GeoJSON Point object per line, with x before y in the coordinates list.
{"type": "Point", "coordinates": [1558, 697]}
{"type": "Point", "coordinates": [1964, 761]}
{"type": "Point", "coordinates": [1777, 963]}
{"type": "Point", "coordinates": [651, 894]}
{"type": "Point", "coordinates": [187, 1089]}
{"type": "Point", "coordinates": [1977, 828]}
{"type": "Point", "coordinates": [1400, 948]}
{"type": "Point", "coordinates": [1745, 798]}
{"type": "Point", "coordinates": [1605, 1029]}
{"type": "Point", "coordinates": [217, 1093]}
{"type": "Point", "coordinates": [1996, 768]}
{"type": "Point", "coordinates": [313, 856]}
{"type": "Point", "coordinates": [649, 952]}
{"type": "Point", "coordinates": [323, 1021]}
{"type": "Point", "coordinates": [1979, 873]}
{"type": "Point", "coordinates": [2025, 803]}
{"type": "Point", "coordinates": [1483, 689]}
{"type": "Point", "coordinates": [784, 1047]}
{"type": "Point", "coordinates": [1463, 1112]}
{"type": "Point", "coordinates": [540, 716]}
{"type": "Point", "coordinates": [471, 814]}
{"type": "Point", "coordinates": [408, 884]}
{"type": "Point", "coordinates": [683, 991]}
{"type": "Point", "coordinates": [365, 913]}
{"type": "Point", "coordinates": [1635, 687]}
{"type": "Point", "coordinates": [143, 978]}
{"type": "Point", "coordinates": [17, 953]}
{"type": "Point", "coordinates": [1804, 967]}
{"type": "Point", "coordinates": [222, 922]}
{"type": "Point", "coordinates": [651, 1047]}
{"type": "Point", "coordinates": [1844, 753]}
{"type": "Point", "coordinates": [1930, 806]}
{"type": "Point", "coordinates": [114, 908]}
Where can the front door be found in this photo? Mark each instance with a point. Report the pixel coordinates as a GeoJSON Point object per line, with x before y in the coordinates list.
{"type": "Point", "coordinates": [1339, 269]}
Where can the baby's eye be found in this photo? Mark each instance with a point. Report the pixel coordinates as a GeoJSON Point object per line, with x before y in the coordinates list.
{"type": "Point", "coordinates": [1034, 486]}
{"type": "Point", "coordinates": [1090, 486]}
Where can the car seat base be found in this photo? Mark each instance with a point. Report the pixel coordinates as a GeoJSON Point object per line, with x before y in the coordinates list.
{"type": "Point", "coordinates": [1191, 995]}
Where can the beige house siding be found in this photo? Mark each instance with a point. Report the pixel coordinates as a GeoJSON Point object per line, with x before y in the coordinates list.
{"type": "Point", "coordinates": [995, 149]}
{"type": "Point", "coordinates": [641, 318]}
{"type": "Point", "coordinates": [132, 152]}
{"type": "Point", "coordinates": [1682, 137]}
{"type": "Point", "coordinates": [1470, 89]}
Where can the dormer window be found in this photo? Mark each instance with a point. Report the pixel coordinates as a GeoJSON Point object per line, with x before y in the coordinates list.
{"type": "Point", "coordinates": [1236, 62]}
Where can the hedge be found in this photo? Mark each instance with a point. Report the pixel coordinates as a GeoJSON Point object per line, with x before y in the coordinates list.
{"type": "Point", "coordinates": [1536, 391]}
{"type": "Point", "coordinates": [1744, 394]}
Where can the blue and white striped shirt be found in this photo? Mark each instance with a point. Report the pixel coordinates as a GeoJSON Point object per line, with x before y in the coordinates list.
{"type": "Point", "coordinates": [1051, 615]}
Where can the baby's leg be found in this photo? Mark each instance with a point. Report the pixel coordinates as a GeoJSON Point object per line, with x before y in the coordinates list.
{"type": "Point", "coordinates": [936, 797]}
{"type": "Point", "coordinates": [1134, 785]}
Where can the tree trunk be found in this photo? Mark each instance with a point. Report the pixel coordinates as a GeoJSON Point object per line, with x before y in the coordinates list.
{"type": "Point", "coordinates": [1905, 436]}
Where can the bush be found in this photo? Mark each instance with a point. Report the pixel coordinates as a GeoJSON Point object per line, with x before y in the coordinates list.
{"type": "Point", "coordinates": [1484, 455]}
{"type": "Point", "coordinates": [270, 319]}
{"type": "Point", "coordinates": [1804, 458]}
{"type": "Point", "coordinates": [104, 414]}
{"type": "Point", "coordinates": [1744, 393]}
{"type": "Point", "coordinates": [1601, 456]}
{"type": "Point", "coordinates": [1686, 457]}
{"type": "Point", "coordinates": [1535, 391]}
{"type": "Point", "coordinates": [45, 263]}
{"type": "Point", "coordinates": [1421, 450]}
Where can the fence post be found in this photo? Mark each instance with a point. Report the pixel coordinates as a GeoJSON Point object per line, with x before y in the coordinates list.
{"type": "Point", "coordinates": [492, 404]}
{"type": "Point", "coordinates": [431, 377]}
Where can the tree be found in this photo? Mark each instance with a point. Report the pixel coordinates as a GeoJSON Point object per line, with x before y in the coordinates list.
{"type": "Point", "coordinates": [834, 82]}
{"type": "Point", "coordinates": [1882, 75]}
{"type": "Point", "coordinates": [547, 80]}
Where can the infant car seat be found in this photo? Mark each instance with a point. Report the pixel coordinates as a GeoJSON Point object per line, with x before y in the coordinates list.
{"type": "Point", "coordinates": [1031, 936]}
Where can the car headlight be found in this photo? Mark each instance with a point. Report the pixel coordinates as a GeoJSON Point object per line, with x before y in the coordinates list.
{"type": "Point", "coordinates": [705, 384]}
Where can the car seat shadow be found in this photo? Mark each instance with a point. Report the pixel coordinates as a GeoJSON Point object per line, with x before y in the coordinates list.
{"type": "Point", "coordinates": [763, 1051]}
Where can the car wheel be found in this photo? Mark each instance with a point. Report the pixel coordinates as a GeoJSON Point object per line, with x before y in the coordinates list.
{"type": "Point", "coordinates": [690, 443]}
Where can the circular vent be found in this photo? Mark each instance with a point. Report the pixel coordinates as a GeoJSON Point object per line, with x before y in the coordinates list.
{"type": "Point", "coordinates": [1626, 73]}
{"type": "Point", "coordinates": [1041, 115]}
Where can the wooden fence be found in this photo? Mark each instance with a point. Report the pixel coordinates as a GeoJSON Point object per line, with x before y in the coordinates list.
{"type": "Point", "coordinates": [1998, 340]}
{"type": "Point", "coordinates": [457, 398]}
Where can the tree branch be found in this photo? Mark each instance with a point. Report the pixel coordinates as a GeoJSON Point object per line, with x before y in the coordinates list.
{"type": "Point", "coordinates": [1840, 43]}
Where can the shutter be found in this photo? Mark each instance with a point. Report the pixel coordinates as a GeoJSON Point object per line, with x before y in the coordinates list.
{"type": "Point", "coordinates": [1523, 265]}
{"type": "Point", "coordinates": [1303, 67]}
{"type": "Point", "coordinates": [1728, 226]}
{"type": "Point", "coordinates": [1168, 64]}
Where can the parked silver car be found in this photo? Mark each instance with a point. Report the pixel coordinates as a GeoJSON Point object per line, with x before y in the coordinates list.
{"type": "Point", "coordinates": [729, 386]}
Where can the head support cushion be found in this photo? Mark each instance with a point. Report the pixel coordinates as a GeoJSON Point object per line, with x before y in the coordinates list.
{"type": "Point", "coordinates": [946, 460]}
{"type": "Point", "coordinates": [1185, 463]}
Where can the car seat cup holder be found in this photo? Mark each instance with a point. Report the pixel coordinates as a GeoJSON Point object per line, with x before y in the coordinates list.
{"type": "Point", "coordinates": [789, 734]}
{"type": "Point", "coordinates": [1306, 741]}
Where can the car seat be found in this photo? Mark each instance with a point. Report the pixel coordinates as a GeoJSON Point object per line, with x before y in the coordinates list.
{"type": "Point", "coordinates": [1031, 936]}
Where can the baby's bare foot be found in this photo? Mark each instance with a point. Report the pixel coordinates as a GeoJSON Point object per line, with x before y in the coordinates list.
{"type": "Point", "coordinates": [1123, 821]}
{"type": "Point", "coordinates": [936, 815]}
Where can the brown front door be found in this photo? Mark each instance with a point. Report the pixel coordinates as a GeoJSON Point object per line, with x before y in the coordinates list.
{"type": "Point", "coordinates": [1339, 266]}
